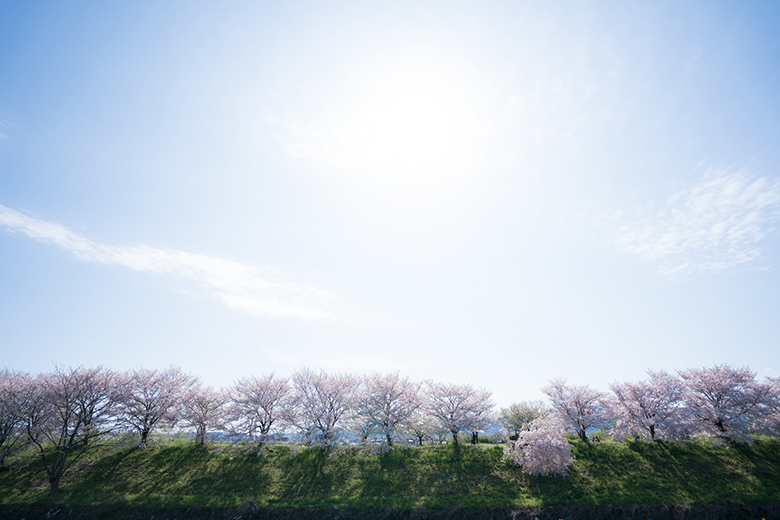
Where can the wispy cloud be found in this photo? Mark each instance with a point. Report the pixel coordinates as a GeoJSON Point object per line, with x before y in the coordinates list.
{"type": "Point", "coordinates": [719, 223]}
{"type": "Point", "coordinates": [258, 291]}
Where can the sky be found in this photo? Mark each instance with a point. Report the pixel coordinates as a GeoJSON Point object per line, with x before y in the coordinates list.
{"type": "Point", "coordinates": [492, 193]}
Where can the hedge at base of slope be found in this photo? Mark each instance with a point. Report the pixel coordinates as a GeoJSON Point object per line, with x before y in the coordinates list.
{"type": "Point", "coordinates": [249, 511]}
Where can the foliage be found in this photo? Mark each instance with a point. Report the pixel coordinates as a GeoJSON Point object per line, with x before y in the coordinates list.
{"type": "Point", "coordinates": [517, 416]}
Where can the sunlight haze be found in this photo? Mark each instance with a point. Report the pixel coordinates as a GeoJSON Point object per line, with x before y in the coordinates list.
{"type": "Point", "coordinates": [493, 193]}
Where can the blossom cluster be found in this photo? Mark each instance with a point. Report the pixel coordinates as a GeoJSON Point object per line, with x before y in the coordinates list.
{"type": "Point", "coordinates": [541, 449]}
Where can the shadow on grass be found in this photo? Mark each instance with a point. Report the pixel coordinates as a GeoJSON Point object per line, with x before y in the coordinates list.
{"type": "Point", "coordinates": [175, 475]}
{"type": "Point", "coordinates": [430, 477]}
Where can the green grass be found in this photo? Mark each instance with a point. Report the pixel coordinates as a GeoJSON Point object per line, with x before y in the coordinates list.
{"type": "Point", "coordinates": [183, 474]}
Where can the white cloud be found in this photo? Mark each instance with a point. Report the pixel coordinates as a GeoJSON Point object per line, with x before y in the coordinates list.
{"type": "Point", "coordinates": [719, 223]}
{"type": "Point", "coordinates": [258, 291]}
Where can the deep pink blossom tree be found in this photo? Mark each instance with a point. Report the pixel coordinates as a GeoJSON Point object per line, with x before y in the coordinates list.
{"type": "Point", "coordinates": [541, 449]}
{"type": "Point", "coordinates": [728, 402]}
{"type": "Point", "coordinates": [579, 407]}
{"type": "Point", "coordinates": [458, 407]}
{"type": "Point", "coordinates": [651, 409]}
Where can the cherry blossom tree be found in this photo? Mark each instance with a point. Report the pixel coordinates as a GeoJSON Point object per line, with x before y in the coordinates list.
{"type": "Point", "coordinates": [322, 402]}
{"type": "Point", "coordinates": [651, 409]}
{"type": "Point", "coordinates": [257, 404]}
{"type": "Point", "coordinates": [202, 408]}
{"type": "Point", "coordinates": [541, 449]}
{"type": "Point", "coordinates": [363, 426]}
{"type": "Point", "coordinates": [579, 407]}
{"type": "Point", "coordinates": [151, 398]}
{"type": "Point", "coordinates": [388, 402]}
{"type": "Point", "coordinates": [422, 426]}
{"type": "Point", "coordinates": [518, 416]}
{"type": "Point", "coordinates": [728, 402]}
{"type": "Point", "coordinates": [772, 421]}
{"type": "Point", "coordinates": [65, 413]}
{"type": "Point", "coordinates": [458, 407]}
{"type": "Point", "coordinates": [12, 390]}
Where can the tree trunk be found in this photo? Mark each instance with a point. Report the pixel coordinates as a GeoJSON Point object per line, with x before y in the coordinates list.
{"type": "Point", "coordinates": [144, 436]}
{"type": "Point", "coordinates": [389, 439]}
{"type": "Point", "coordinates": [57, 469]}
{"type": "Point", "coordinates": [455, 438]}
{"type": "Point", "coordinates": [54, 490]}
{"type": "Point", "coordinates": [583, 436]}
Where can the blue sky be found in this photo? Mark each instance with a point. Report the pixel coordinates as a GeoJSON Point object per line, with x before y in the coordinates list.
{"type": "Point", "coordinates": [498, 193]}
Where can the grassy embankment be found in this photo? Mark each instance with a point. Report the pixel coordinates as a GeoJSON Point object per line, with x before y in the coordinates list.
{"type": "Point", "coordinates": [183, 474]}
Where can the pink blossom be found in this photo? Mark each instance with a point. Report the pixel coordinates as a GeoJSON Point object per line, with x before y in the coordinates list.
{"type": "Point", "coordinates": [651, 409]}
{"type": "Point", "coordinates": [728, 402]}
{"type": "Point", "coordinates": [542, 449]}
{"type": "Point", "coordinates": [579, 407]}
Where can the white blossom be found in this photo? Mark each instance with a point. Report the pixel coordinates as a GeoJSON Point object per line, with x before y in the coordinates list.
{"type": "Point", "coordinates": [541, 449]}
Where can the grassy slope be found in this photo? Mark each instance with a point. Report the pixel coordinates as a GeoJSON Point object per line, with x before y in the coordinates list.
{"type": "Point", "coordinates": [606, 473]}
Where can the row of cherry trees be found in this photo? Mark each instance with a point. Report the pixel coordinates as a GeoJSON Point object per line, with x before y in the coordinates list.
{"type": "Point", "coordinates": [64, 413]}
{"type": "Point", "coordinates": [720, 401]}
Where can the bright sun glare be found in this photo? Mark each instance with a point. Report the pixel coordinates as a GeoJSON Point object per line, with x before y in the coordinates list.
{"type": "Point", "coordinates": [411, 129]}
{"type": "Point", "coordinates": [409, 123]}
